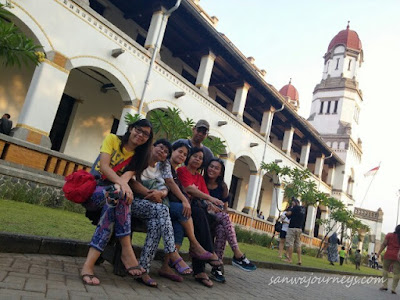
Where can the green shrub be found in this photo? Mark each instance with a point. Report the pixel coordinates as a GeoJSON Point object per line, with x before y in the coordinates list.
{"type": "Point", "coordinates": [309, 251]}
{"type": "Point", "coordinates": [255, 238]}
{"type": "Point", "coordinates": [35, 194]}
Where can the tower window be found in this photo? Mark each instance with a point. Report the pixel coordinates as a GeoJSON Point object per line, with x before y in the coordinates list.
{"type": "Point", "coordinates": [337, 63]}
{"type": "Point", "coordinates": [328, 109]}
{"type": "Point", "coordinates": [321, 108]}
{"type": "Point", "coordinates": [335, 107]}
{"type": "Point", "coordinates": [327, 67]}
{"type": "Point", "coordinates": [348, 69]}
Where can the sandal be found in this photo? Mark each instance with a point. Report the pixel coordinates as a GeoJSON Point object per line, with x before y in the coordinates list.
{"type": "Point", "coordinates": [170, 276]}
{"type": "Point", "coordinates": [181, 270]}
{"type": "Point", "coordinates": [205, 281]}
{"type": "Point", "coordinates": [91, 277]}
{"type": "Point", "coordinates": [212, 264]}
{"type": "Point", "coordinates": [138, 267]}
{"type": "Point", "coordinates": [149, 282]}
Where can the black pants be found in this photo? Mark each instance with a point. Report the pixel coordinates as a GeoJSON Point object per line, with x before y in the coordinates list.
{"type": "Point", "coordinates": [341, 260]}
{"type": "Point", "coordinates": [203, 235]}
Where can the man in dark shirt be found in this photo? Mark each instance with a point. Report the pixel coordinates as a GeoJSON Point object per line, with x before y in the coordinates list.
{"type": "Point", "coordinates": [297, 216]}
{"type": "Point", "coordinates": [200, 132]}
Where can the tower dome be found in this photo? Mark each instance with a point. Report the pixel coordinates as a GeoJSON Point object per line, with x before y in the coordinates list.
{"type": "Point", "coordinates": [348, 38]}
{"type": "Point", "coordinates": [289, 92]}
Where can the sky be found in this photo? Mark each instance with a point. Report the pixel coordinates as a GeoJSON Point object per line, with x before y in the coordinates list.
{"type": "Point", "coordinates": [289, 38]}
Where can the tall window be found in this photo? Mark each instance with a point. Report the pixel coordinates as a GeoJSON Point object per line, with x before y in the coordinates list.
{"type": "Point", "coordinates": [337, 63]}
{"type": "Point", "coordinates": [335, 107]}
{"type": "Point", "coordinates": [349, 67]}
{"type": "Point", "coordinates": [321, 108]}
{"type": "Point", "coordinates": [328, 110]}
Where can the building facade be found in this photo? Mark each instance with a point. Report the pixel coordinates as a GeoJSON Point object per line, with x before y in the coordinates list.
{"type": "Point", "coordinates": [107, 58]}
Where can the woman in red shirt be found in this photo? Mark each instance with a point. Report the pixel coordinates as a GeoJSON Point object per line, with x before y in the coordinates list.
{"type": "Point", "coordinates": [196, 187]}
{"type": "Point", "coordinates": [392, 242]}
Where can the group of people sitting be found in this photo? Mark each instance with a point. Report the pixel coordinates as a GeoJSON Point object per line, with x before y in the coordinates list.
{"type": "Point", "coordinates": [163, 185]}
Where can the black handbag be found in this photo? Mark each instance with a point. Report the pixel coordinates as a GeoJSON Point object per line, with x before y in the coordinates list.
{"type": "Point", "coordinates": [278, 226]}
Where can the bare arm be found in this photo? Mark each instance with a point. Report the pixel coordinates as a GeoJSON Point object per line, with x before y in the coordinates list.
{"type": "Point", "coordinates": [193, 191]}
{"type": "Point", "coordinates": [383, 246]}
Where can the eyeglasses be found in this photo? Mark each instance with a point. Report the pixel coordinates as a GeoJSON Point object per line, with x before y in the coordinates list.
{"type": "Point", "coordinates": [142, 132]}
{"type": "Point", "coordinates": [163, 148]}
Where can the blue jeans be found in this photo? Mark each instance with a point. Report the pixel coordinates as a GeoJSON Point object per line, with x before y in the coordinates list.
{"type": "Point", "coordinates": [175, 210]}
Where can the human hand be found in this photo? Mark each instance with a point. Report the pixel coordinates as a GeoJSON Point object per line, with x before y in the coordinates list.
{"type": "Point", "coordinates": [187, 209]}
{"type": "Point", "coordinates": [216, 201]}
{"type": "Point", "coordinates": [126, 191]}
{"type": "Point", "coordinates": [155, 196]}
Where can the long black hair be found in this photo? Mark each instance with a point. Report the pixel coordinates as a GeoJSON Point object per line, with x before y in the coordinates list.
{"type": "Point", "coordinates": [397, 232]}
{"type": "Point", "coordinates": [193, 151]}
{"type": "Point", "coordinates": [140, 161]}
{"type": "Point", "coordinates": [220, 178]}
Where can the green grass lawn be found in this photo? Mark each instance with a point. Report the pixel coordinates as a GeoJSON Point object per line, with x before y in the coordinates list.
{"type": "Point", "coordinates": [24, 218]}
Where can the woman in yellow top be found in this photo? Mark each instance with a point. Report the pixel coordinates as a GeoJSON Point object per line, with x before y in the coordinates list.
{"type": "Point", "coordinates": [116, 208]}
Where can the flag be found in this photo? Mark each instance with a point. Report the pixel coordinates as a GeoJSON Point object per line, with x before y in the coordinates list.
{"type": "Point", "coordinates": [372, 172]}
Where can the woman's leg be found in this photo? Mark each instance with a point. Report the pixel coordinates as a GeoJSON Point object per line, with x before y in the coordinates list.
{"type": "Point", "coordinates": [223, 219]}
{"type": "Point", "coordinates": [281, 244]}
{"type": "Point", "coordinates": [220, 241]}
{"type": "Point", "coordinates": [396, 275]}
{"type": "Point", "coordinates": [385, 272]}
{"type": "Point", "coordinates": [88, 267]}
{"type": "Point", "coordinates": [203, 236]}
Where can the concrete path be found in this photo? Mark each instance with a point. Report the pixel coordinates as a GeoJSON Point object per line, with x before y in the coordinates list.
{"type": "Point", "coordinates": [34, 276]}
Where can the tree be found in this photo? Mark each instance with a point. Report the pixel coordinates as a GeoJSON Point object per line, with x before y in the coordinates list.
{"type": "Point", "coordinates": [15, 47]}
{"type": "Point", "coordinates": [169, 125]}
{"type": "Point", "coordinates": [298, 184]}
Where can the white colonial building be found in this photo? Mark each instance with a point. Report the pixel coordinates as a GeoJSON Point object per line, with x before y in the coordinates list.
{"type": "Point", "coordinates": [106, 58]}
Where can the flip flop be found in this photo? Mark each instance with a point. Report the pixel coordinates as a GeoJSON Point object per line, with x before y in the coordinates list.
{"type": "Point", "coordinates": [211, 262]}
{"type": "Point", "coordinates": [205, 281]}
{"type": "Point", "coordinates": [149, 282]}
{"type": "Point", "coordinates": [170, 276]}
{"type": "Point", "coordinates": [138, 267]}
{"type": "Point", "coordinates": [178, 268]}
{"type": "Point", "coordinates": [91, 276]}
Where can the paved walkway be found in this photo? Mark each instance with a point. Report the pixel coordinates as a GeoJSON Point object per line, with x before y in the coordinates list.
{"type": "Point", "coordinates": [36, 276]}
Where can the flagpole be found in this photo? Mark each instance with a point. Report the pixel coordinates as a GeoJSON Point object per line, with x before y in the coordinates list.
{"type": "Point", "coordinates": [370, 183]}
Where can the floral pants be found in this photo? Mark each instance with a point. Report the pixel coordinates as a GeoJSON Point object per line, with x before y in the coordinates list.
{"type": "Point", "coordinates": [158, 225]}
{"type": "Point", "coordinates": [117, 218]}
{"type": "Point", "coordinates": [224, 231]}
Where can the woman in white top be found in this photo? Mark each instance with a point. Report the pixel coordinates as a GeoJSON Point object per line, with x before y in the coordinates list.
{"type": "Point", "coordinates": [282, 235]}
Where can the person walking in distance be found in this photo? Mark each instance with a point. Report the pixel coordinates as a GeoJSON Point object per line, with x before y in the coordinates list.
{"type": "Point", "coordinates": [297, 216]}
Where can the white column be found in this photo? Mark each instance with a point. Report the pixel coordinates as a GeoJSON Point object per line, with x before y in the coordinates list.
{"type": "Point", "coordinates": [305, 154]}
{"type": "Point", "coordinates": [266, 123]}
{"type": "Point", "coordinates": [122, 126]}
{"type": "Point", "coordinates": [156, 25]}
{"type": "Point", "coordinates": [252, 192]}
{"type": "Point", "coordinates": [371, 248]}
{"type": "Point", "coordinates": [288, 140]}
{"type": "Point", "coordinates": [240, 100]}
{"type": "Point", "coordinates": [331, 175]}
{"type": "Point", "coordinates": [276, 202]}
{"type": "Point", "coordinates": [229, 165]}
{"type": "Point", "coordinates": [321, 230]}
{"type": "Point", "coordinates": [310, 221]}
{"type": "Point", "coordinates": [41, 102]}
{"type": "Point", "coordinates": [319, 165]}
{"type": "Point", "coordinates": [205, 71]}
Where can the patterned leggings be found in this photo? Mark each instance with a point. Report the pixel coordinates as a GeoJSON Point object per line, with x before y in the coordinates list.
{"type": "Point", "coordinates": [112, 217]}
{"type": "Point", "coordinates": [158, 225]}
{"type": "Point", "coordinates": [224, 231]}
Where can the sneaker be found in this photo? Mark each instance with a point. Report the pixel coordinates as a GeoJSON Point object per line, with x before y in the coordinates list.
{"type": "Point", "coordinates": [217, 275]}
{"type": "Point", "coordinates": [243, 263]}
